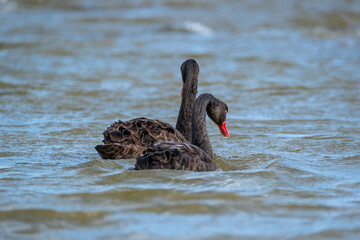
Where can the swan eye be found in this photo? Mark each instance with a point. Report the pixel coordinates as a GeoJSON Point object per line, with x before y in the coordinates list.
{"type": "Point", "coordinates": [226, 111]}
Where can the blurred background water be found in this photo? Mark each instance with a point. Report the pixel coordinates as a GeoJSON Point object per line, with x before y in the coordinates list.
{"type": "Point", "coordinates": [288, 70]}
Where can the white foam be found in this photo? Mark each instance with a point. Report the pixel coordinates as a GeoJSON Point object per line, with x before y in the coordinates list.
{"type": "Point", "coordinates": [194, 27]}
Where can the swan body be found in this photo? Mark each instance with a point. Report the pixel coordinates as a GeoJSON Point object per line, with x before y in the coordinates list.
{"type": "Point", "coordinates": [175, 156]}
{"type": "Point", "coordinates": [125, 140]}
{"type": "Point", "coordinates": [197, 156]}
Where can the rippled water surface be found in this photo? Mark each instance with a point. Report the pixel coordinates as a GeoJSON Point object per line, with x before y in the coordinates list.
{"type": "Point", "coordinates": [288, 70]}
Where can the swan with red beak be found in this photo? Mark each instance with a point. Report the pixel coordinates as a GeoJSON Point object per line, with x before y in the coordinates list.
{"type": "Point", "coordinates": [197, 156]}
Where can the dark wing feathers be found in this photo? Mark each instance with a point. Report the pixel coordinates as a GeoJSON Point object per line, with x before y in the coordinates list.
{"type": "Point", "coordinates": [175, 156]}
{"type": "Point", "coordinates": [128, 139]}
{"type": "Point", "coordinates": [118, 150]}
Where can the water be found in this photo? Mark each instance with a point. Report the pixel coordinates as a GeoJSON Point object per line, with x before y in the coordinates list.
{"type": "Point", "coordinates": [288, 70]}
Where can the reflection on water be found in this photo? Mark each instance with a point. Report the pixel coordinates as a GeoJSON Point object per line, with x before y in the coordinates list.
{"type": "Point", "coordinates": [288, 70]}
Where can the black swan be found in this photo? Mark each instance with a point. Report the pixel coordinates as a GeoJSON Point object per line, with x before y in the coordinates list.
{"type": "Point", "coordinates": [124, 140]}
{"type": "Point", "coordinates": [182, 155]}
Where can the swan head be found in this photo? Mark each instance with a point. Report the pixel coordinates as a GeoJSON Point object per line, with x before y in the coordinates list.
{"type": "Point", "coordinates": [217, 111]}
{"type": "Point", "coordinates": [189, 73]}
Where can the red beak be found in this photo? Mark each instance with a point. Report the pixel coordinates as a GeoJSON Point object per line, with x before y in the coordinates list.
{"type": "Point", "coordinates": [182, 90]}
{"type": "Point", "coordinates": [223, 129]}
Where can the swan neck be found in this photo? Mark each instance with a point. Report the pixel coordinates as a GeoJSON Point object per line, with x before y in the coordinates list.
{"type": "Point", "coordinates": [199, 135]}
{"type": "Point", "coordinates": [183, 124]}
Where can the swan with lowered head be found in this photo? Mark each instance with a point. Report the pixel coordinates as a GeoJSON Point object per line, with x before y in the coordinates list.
{"type": "Point", "coordinates": [197, 156]}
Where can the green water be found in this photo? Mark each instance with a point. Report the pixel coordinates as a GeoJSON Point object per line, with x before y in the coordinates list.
{"type": "Point", "coordinates": [288, 70]}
